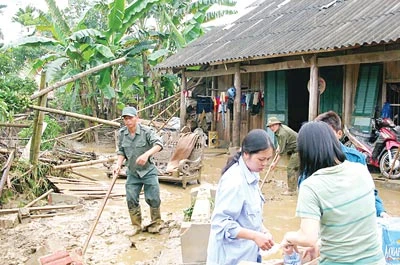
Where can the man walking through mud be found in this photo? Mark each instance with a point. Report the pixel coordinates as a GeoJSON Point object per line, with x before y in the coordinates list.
{"type": "Point", "coordinates": [287, 145]}
{"type": "Point", "coordinates": [136, 144]}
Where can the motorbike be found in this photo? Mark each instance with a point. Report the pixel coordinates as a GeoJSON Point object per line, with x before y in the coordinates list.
{"type": "Point", "coordinates": [380, 146]}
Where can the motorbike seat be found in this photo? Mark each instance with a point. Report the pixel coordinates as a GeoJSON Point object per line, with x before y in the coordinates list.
{"type": "Point", "coordinates": [362, 136]}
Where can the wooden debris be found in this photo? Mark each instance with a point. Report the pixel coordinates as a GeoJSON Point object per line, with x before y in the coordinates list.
{"type": "Point", "coordinates": [39, 208]}
{"type": "Point", "coordinates": [6, 169]}
{"type": "Point", "coordinates": [38, 198]}
{"type": "Point", "coordinates": [74, 155]}
{"type": "Point", "coordinates": [82, 175]}
{"type": "Point", "coordinates": [87, 163]}
{"type": "Point", "coordinates": [86, 189]}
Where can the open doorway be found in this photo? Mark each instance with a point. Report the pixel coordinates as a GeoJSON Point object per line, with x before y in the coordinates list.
{"type": "Point", "coordinates": [393, 97]}
{"type": "Point", "coordinates": [298, 97]}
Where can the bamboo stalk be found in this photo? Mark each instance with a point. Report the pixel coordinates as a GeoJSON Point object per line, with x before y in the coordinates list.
{"type": "Point", "coordinates": [161, 101]}
{"type": "Point", "coordinates": [38, 198]}
{"type": "Point", "coordinates": [159, 114]}
{"type": "Point", "coordinates": [165, 123]}
{"type": "Point", "coordinates": [87, 163]}
{"type": "Point", "coordinates": [19, 125]}
{"type": "Point", "coordinates": [39, 208]}
{"type": "Point", "coordinates": [99, 125]}
{"type": "Point", "coordinates": [38, 127]}
{"type": "Point", "coordinates": [78, 76]}
{"type": "Point", "coordinates": [75, 115]}
{"type": "Point", "coordinates": [46, 215]}
{"type": "Point", "coordinates": [81, 175]}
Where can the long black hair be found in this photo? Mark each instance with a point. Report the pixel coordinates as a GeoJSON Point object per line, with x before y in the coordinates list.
{"type": "Point", "coordinates": [318, 148]}
{"type": "Point", "coordinates": [255, 141]}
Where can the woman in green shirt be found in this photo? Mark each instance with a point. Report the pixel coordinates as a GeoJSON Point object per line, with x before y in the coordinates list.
{"type": "Point", "coordinates": [336, 202]}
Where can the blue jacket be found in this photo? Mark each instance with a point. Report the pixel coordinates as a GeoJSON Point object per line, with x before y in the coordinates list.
{"type": "Point", "coordinates": [353, 155]}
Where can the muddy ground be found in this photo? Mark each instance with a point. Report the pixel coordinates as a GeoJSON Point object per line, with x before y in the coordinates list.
{"type": "Point", "coordinates": [113, 243]}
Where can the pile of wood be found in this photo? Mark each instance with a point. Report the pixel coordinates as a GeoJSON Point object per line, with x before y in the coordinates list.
{"type": "Point", "coordinates": [86, 189]}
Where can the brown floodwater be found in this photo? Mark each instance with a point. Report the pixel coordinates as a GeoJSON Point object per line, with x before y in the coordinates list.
{"type": "Point", "coordinates": [278, 211]}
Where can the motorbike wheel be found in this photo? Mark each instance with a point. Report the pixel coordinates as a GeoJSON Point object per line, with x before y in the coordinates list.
{"type": "Point", "coordinates": [385, 165]}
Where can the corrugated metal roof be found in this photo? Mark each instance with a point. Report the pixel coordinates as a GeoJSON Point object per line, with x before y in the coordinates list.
{"type": "Point", "coordinates": [283, 27]}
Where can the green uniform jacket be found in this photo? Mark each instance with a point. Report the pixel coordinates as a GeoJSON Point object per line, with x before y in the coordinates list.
{"type": "Point", "coordinates": [287, 140]}
{"type": "Point", "coordinates": [132, 147]}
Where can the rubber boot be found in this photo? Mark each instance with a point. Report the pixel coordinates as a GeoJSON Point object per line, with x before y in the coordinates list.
{"type": "Point", "coordinates": [136, 219]}
{"type": "Point", "coordinates": [156, 222]}
{"type": "Point", "coordinates": [292, 187]}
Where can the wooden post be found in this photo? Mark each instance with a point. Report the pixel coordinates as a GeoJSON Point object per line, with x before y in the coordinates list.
{"type": "Point", "coordinates": [183, 99]}
{"type": "Point", "coordinates": [236, 108]}
{"type": "Point", "coordinates": [213, 95]}
{"type": "Point", "coordinates": [314, 91]}
{"type": "Point", "coordinates": [348, 94]}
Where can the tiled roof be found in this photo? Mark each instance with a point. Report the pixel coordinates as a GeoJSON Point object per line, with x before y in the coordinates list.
{"type": "Point", "coordinates": [287, 27]}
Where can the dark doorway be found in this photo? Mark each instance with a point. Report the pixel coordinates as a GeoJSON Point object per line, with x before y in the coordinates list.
{"type": "Point", "coordinates": [298, 97]}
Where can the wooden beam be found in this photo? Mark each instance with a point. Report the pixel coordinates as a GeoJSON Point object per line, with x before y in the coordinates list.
{"type": "Point", "coordinates": [209, 73]}
{"type": "Point", "coordinates": [314, 90]}
{"type": "Point", "coordinates": [375, 57]}
{"type": "Point", "coordinates": [385, 56]}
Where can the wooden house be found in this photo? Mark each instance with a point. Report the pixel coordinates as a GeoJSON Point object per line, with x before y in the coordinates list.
{"type": "Point", "coordinates": [300, 58]}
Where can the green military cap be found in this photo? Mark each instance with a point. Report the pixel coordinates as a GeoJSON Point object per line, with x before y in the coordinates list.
{"type": "Point", "coordinates": [129, 111]}
{"type": "Point", "coordinates": [272, 121]}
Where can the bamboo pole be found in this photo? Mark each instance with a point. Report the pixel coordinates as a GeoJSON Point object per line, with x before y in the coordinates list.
{"type": "Point", "coordinates": [83, 176]}
{"type": "Point", "coordinates": [78, 76]}
{"type": "Point", "coordinates": [37, 128]}
{"type": "Point", "coordinates": [75, 115]}
{"type": "Point", "coordinates": [161, 101]}
{"type": "Point", "coordinates": [159, 129]}
{"type": "Point", "coordinates": [86, 163]}
{"type": "Point", "coordinates": [18, 125]}
{"type": "Point", "coordinates": [159, 114]}
{"type": "Point", "coordinates": [39, 208]}
{"type": "Point", "coordinates": [38, 198]}
{"type": "Point", "coordinates": [86, 244]}
{"type": "Point", "coordinates": [99, 125]}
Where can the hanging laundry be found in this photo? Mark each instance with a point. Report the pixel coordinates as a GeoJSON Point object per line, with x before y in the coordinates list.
{"type": "Point", "coordinates": [248, 98]}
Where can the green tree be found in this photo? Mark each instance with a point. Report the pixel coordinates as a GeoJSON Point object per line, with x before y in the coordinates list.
{"type": "Point", "coordinates": [1, 33]}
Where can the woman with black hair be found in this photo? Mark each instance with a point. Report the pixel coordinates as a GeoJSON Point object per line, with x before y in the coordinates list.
{"type": "Point", "coordinates": [237, 230]}
{"type": "Point", "coordinates": [336, 202]}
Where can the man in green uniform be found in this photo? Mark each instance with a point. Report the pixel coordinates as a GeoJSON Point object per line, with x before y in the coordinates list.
{"type": "Point", "coordinates": [136, 144]}
{"type": "Point", "coordinates": [287, 145]}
